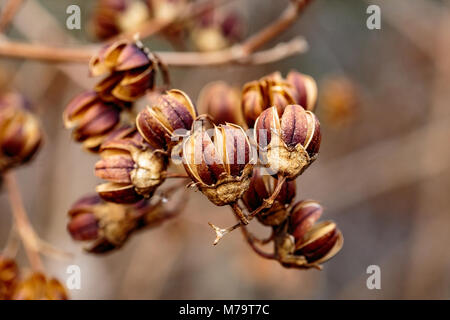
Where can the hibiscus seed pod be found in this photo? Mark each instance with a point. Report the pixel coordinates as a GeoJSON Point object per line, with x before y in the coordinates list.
{"type": "Point", "coordinates": [261, 187]}
{"type": "Point", "coordinates": [222, 102]}
{"type": "Point", "coordinates": [304, 89]}
{"type": "Point", "coordinates": [107, 226]}
{"type": "Point", "coordinates": [320, 243]}
{"type": "Point", "coordinates": [9, 275]}
{"type": "Point", "coordinates": [220, 167]}
{"type": "Point", "coordinates": [20, 131]}
{"type": "Point", "coordinates": [38, 287]}
{"type": "Point", "coordinates": [303, 216]}
{"type": "Point", "coordinates": [133, 168]}
{"type": "Point", "coordinates": [158, 124]}
{"type": "Point", "coordinates": [105, 19]}
{"type": "Point", "coordinates": [291, 143]}
{"type": "Point", "coordinates": [257, 96]}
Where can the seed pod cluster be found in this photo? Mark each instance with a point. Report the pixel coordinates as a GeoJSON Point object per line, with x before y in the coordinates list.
{"type": "Point", "coordinates": [132, 167]}
{"type": "Point", "coordinates": [222, 102]}
{"type": "Point", "coordinates": [273, 90]}
{"type": "Point", "coordinates": [35, 286]}
{"type": "Point", "coordinates": [261, 187]}
{"type": "Point", "coordinates": [290, 143]}
{"type": "Point", "coordinates": [221, 165]}
{"type": "Point", "coordinates": [309, 243]}
{"type": "Point", "coordinates": [20, 131]}
{"type": "Point", "coordinates": [173, 114]}
{"type": "Point", "coordinates": [107, 226]}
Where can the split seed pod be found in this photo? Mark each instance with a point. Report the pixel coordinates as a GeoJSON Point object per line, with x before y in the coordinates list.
{"type": "Point", "coordinates": [308, 243]}
{"type": "Point", "coordinates": [261, 187]}
{"type": "Point", "coordinates": [131, 71]}
{"type": "Point", "coordinates": [304, 89]}
{"type": "Point", "coordinates": [220, 167]}
{"type": "Point", "coordinates": [20, 131]}
{"type": "Point", "coordinates": [222, 102]}
{"type": "Point", "coordinates": [271, 90]}
{"type": "Point", "coordinates": [39, 287]}
{"type": "Point", "coordinates": [106, 225]}
{"type": "Point", "coordinates": [133, 168]}
{"type": "Point", "coordinates": [105, 19]}
{"type": "Point", "coordinates": [158, 124]}
{"type": "Point", "coordinates": [290, 143]}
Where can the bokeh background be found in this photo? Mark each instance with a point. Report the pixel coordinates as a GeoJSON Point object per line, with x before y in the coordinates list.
{"type": "Point", "coordinates": [382, 174]}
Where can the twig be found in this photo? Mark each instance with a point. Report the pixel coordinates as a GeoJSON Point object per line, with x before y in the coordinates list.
{"type": "Point", "coordinates": [8, 13]}
{"type": "Point", "coordinates": [240, 53]}
{"type": "Point", "coordinates": [26, 232]}
{"type": "Point", "coordinates": [251, 241]}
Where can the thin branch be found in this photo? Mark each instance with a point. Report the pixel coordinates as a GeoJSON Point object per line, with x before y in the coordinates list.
{"type": "Point", "coordinates": [26, 232]}
{"type": "Point", "coordinates": [239, 53]}
{"type": "Point", "coordinates": [180, 59]}
{"type": "Point", "coordinates": [8, 13]}
{"type": "Point", "coordinates": [251, 241]}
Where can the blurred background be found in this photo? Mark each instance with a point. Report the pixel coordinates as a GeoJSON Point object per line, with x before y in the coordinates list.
{"type": "Point", "coordinates": [383, 173]}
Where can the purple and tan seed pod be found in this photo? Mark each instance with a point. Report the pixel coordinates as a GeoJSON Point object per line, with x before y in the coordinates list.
{"type": "Point", "coordinates": [173, 112]}
{"type": "Point", "coordinates": [20, 131]}
{"type": "Point", "coordinates": [91, 119]}
{"type": "Point", "coordinates": [130, 72]}
{"type": "Point", "coordinates": [106, 226]}
{"type": "Point", "coordinates": [37, 286]}
{"type": "Point", "coordinates": [290, 143]}
{"type": "Point", "coordinates": [220, 166]}
{"type": "Point", "coordinates": [261, 187]}
{"type": "Point", "coordinates": [307, 243]}
{"type": "Point", "coordinates": [222, 102]}
{"type": "Point", "coordinates": [132, 168]}
{"type": "Point", "coordinates": [257, 96]}
{"type": "Point", "coordinates": [104, 22]}
{"type": "Point", "coordinates": [304, 89]}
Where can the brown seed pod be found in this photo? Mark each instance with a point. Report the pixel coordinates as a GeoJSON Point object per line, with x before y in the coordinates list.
{"type": "Point", "coordinates": [20, 131]}
{"type": "Point", "coordinates": [262, 187]}
{"type": "Point", "coordinates": [220, 167]}
{"type": "Point", "coordinates": [104, 22]}
{"type": "Point", "coordinates": [133, 168]}
{"type": "Point", "coordinates": [38, 287]}
{"type": "Point", "coordinates": [9, 276]}
{"type": "Point", "coordinates": [107, 226]}
{"type": "Point", "coordinates": [222, 102]}
{"type": "Point", "coordinates": [257, 96]}
{"type": "Point", "coordinates": [92, 119]}
{"type": "Point", "coordinates": [304, 89]}
{"type": "Point", "coordinates": [290, 144]}
{"type": "Point", "coordinates": [174, 112]}
{"type": "Point", "coordinates": [303, 215]}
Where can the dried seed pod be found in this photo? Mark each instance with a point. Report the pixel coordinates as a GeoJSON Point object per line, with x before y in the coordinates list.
{"type": "Point", "coordinates": [91, 119]}
{"type": "Point", "coordinates": [322, 242]}
{"type": "Point", "coordinates": [20, 131]}
{"type": "Point", "coordinates": [106, 225]}
{"type": "Point", "coordinates": [133, 168]}
{"type": "Point", "coordinates": [303, 216]}
{"type": "Point", "coordinates": [222, 102]}
{"type": "Point", "coordinates": [261, 187]}
{"type": "Point", "coordinates": [131, 71]}
{"type": "Point", "coordinates": [158, 124]}
{"type": "Point", "coordinates": [220, 167]}
{"type": "Point", "coordinates": [291, 143]}
{"type": "Point", "coordinates": [38, 287]}
{"type": "Point", "coordinates": [9, 276]}
{"type": "Point", "coordinates": [304, 89]}
{"type": "Point", "coordinates": [166, 10]}
{"type": "Point", "coordinates": [257, 96]}
{"type": "Point", "coordinates": [306, 243]}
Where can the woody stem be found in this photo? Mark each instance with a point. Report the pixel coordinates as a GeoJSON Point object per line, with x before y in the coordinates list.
{"type": "Point", "coordinates": [251, 241]}
{"type": "Point", "coordinates": [26, 231]}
